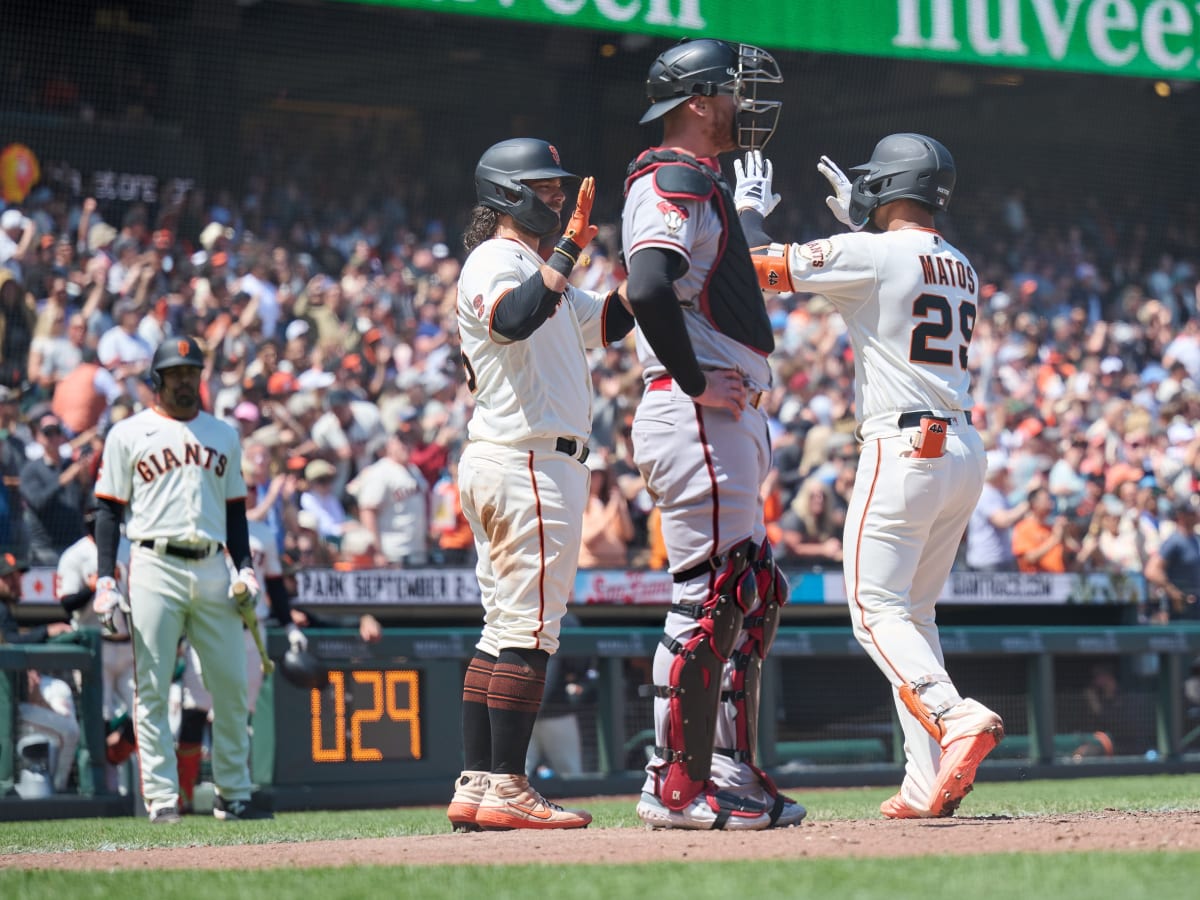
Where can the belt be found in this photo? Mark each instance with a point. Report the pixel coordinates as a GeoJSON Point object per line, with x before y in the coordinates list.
{"type": "Point", "coordinates": [913, 419]}
{"type": "Point", "coordinates": [185, 552]}
{"type": "Point", "coordinates": [115, 638]}
{"type": "Point", "coordinates": [665, 383]}
{"type": "Point", "coordinates": [576, 449]}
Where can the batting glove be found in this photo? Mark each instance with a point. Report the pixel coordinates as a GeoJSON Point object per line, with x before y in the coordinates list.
{"type": "Point", "coordinates": [839, 203]}
{"type": "Point", "coordinates": [106, 601]}
{"type": "Point", "coordinates": [753, 188]}
{"type": "Point", "coordinates": [297, 640]}
{"type": "Point", "coordinates": [580, 230]}
{"type": "Point", "coordinates": [247, 577]}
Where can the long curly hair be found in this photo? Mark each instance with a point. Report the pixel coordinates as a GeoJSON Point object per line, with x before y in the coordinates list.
{"type": "Point", "coordinates": [484, 222]}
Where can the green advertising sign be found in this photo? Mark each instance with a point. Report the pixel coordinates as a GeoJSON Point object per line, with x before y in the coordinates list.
{"type": "Point", "coordinates": [1144, 38]}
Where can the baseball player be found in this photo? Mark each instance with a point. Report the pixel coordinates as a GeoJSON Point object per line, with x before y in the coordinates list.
{"type": "Point", "coordinates": [75, 587]}
{"type": "Point", "coordinates": [910, 300]}
{"type": "Point", "coordinates": [525, 333]}
{"type": "Point", "coordinates": [174, 473]}
{"type": "Point", "coordinates": [700, 438]}
{"type": "Point", "coordinates": [196, 701]}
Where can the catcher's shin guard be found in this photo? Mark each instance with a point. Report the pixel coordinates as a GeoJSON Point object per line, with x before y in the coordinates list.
{"type": "Point", "coordinates": [693, 692]}
{"type": "Point", "coordinates": [746, 664]}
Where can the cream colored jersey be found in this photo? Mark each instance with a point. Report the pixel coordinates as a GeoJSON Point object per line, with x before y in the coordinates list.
{"type": "Point", "coordinates": [399, 495]}
{"type": "Point", "coordinates": [909, 300]}
{"type": "Point", "coordinates": [77, 569]}
{"type": "Point", "coordinates": [536, 388]}
{"type": "Point", "coordinates": [174, 476]}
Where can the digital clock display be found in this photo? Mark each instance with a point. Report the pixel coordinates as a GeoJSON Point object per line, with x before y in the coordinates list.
{"type": "Point", "coordinates": [366, 715]}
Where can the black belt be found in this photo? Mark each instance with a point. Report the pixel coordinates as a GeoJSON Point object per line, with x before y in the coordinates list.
{"type": "Point", "coordinates": [572, 448]}
{"type": "Point", "coordinates": [913, 419]}
{"type": "Point", "coordinates": [185, 552]}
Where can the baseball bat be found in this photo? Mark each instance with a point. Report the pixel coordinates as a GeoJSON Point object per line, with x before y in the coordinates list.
{"type": "Point", "coordinates": [245, 607]}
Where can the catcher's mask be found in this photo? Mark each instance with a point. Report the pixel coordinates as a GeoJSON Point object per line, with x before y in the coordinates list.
{"type": "Point", "coordinates": [303, 669]}
{"type": "Point", "coordinates": [707, 67]}
{"type": "Point", "coordinates": [903, 165]}
{"type": "Point", "coordinates": [501, 182]}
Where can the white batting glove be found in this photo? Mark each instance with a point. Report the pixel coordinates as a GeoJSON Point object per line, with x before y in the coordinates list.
{"type": "Point", "coordinates": [297, 639]}
{"type": "Point", "coordinates": [839, 203]}
{"type": "Point", "coordinates": [247, 577]}
{"type": "Point", "coordinates": [753, 188]}
{"type": "Point", "coordinates": [106, 601]}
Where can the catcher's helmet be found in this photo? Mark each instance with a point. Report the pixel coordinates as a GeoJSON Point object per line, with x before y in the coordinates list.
{"type": "Point", "coordinates": [181, 351]}
{"type": "Point", "coordinates": [903, 165]}
{"type": "Point", "coordinates": [708, 67]}
{"type": "Point", "coordinates": [500, 180]}
{"type": "Point", "coordinates": [303, 669]}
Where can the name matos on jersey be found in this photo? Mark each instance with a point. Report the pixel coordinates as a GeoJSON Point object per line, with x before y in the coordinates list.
{"type": "Point", "coordinates": [949, 272]}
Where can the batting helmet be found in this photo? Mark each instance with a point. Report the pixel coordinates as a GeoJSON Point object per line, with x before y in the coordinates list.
{"type": "Point", "coordinates": [708, 67]}
{"type": "Point", "coordinates": [182, 351]}
{"type": "Point", "coordinates": [903, 165]}
{"type": "Point", "coordinates": [303, 669]}
{"type": "Point", "coordinates": [501, 176]}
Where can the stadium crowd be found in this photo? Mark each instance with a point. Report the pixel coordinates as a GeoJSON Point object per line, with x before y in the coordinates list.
{"type": "Point", "coordinates": [333, 348]}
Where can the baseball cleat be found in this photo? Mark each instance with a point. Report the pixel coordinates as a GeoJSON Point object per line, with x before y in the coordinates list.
{"type": "Point", "coordinates": [711, 810]}
{"type": "Point", "coordinates": [238, 810]}
{"type": "Point", "coordinates": [469, 789]}
{"type": "Point", "coordinates": [972, 732]}
{"type": "Point", "coordinates": [511, 803]}
{"type": "Point", "coordinates": [786, 812]}
{"type": "Point", "coordinates": [894, 807]}
{"type": "Point", "coordinates": [165, 815]}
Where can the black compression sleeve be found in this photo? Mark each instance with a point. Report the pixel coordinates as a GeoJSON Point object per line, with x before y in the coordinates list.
{"type": "Point", "coordinates": [617, 320]}
{"type": "Point", "coordinates": [78, 600]}
{"type": "Point", "coordinates": [754, 227]}
{"type": "Point", "coordinates": [280, 602]}
{"type": "Point", "coordinates": [109, 514]}
{"type": "Point", "coordinates": [522, 310]}
{"type": "Point", "coordinates": [651, 272]}
{"type": "Point", "coordinates": [237, 533]}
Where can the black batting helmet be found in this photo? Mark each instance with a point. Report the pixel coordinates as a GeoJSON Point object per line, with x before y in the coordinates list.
{"type": "Point", "coordinates": [303, 669]}
{"type": "Point", "coordinates": [179, 351]}
{"type": "Point", "coordinates": [708, 67]}
{"type": "Point", "coordinates": [903, 165]}
{"type": "Point", "coordinates": [501, 176]}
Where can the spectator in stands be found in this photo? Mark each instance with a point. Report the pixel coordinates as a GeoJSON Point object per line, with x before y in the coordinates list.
{"type": "Point", "coordinates": [393, 505]}
{"type": "Point", "coordinates": [1113, 542]}
{"type": "Point", "coordinates": [17, 319]}
{"type": "Point", "coordinates": [18, 235]}
{"type": "Point", "coordinates": [1175, 569]}
{"type": "Point", "coordinates": [83, 396]}
{"type": "Point", "coordinates": [989, 532]}
{"type": "Point", "coordinates": [811, 533]}
{"type": "Point", "coordinates": [450, 528]}
{"type": "Point", "coordinates": [607, 524]}
{"type": "Point", "coordinates": [319, 499]}
{"type": "Point", "coordinates": [350, 430]}
{"type": "Point", "coordinates": [12, 460]}
{"type": "Point", "coordinates": [121, 350]}
{"type": "Point", "coordinates": [54, 486]}
{"type": "Point", "coordinates": [1041, 541]}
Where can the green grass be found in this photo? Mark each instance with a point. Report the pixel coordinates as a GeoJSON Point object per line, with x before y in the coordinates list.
{"type": "Point", "coordinates": [1129, 876]}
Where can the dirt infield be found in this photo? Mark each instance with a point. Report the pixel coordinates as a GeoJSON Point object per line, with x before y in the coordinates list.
{"type": "Point", "coordinates": [1110, 830]}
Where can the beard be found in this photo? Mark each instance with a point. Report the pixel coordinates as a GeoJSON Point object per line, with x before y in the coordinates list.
{"type": "Point", "coordinates": [723, 129]}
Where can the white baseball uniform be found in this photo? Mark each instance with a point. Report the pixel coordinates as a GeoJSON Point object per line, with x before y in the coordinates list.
{"type": "Point", "coordinates": [77, 570]}
{"type": "Point", "coordinates": [264, 555]}
{"type": "Point", "coordinates": [909, 300]}
{"type": "Point", "coordinates": [175, 478]}
{"type": "Point", "coordinates": [523, 497]}
{"type": "Point", "coordinates": [399, 495]}
{"type": "Point", "coordinates": [703, 466]}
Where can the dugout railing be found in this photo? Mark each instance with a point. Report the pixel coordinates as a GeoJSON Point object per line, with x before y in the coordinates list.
{"type": "Point", "coordinates": [385, 731]}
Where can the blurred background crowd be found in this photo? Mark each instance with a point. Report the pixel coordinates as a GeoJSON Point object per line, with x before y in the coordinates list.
{"type": "Point", "coordinates": [333, 348]}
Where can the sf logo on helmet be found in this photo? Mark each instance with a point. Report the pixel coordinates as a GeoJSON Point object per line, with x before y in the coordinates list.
{"type": "Point", "coordinates": [554, 154]}
{"type": "Point", "coordinates": [184, 348]}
